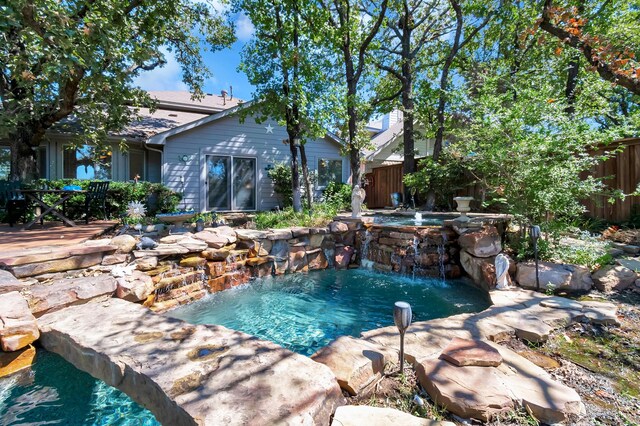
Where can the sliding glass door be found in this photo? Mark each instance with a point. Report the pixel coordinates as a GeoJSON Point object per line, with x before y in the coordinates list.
{"type": "Point", "coordinates": [231, 183]}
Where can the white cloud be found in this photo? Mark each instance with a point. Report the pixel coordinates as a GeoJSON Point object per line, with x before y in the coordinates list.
{"type": "Point", "coordinates": [244, 27]}
{"type": "Point", "coordinates": [168, 77]}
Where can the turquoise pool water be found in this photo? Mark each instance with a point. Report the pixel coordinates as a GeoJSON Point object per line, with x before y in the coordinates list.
{"type": "Point", "coordinates": [408, 220]}
{"type": "Point", "coordinates": [54, 392]}
{"type": "Point", "coordinates": [304, 312]}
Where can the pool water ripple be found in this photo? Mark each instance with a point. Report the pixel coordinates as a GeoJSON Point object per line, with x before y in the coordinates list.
{"type": "Point", "coordinates": [54, 392]}
{"type": "Point", "coordinates": [304, 312]}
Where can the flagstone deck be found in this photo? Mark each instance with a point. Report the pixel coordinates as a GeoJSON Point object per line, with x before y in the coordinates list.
{"type": "Point", "coordinates": [50, 234]}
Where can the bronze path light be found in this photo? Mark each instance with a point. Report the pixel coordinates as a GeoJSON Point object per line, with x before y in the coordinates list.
{"type": "Point", "coordinates": [402, 318]}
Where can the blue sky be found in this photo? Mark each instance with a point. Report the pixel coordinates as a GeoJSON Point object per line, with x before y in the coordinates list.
{"type": "Point", "coordinates": [223, 65]}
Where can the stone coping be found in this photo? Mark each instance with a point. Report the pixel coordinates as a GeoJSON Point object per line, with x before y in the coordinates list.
{"type": "Point", "coordinates": [191, 374]}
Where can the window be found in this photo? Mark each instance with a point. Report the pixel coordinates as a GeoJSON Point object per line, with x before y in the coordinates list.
{"type": "Point", "coordinates": [5, 162]}
{"type": "Point", "coordinates": [87, 162]}
{"type": "Point", "coordinates": [136, 164]}
{"type": "Point", "coordinates": [231, 183]}
{"type": "Point", "coordinates": [42, 162]}
{"type": "Point", "coordinates": [329, 171]}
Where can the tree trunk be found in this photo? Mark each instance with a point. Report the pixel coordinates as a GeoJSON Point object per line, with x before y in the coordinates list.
{"type": "Point", "coordinates": [442, 99]}
{"type": "Point", "coordinates": [352, 117]}
{"type": "Point", "coordinates": [408, 137]}
{"type": "Point", "coordinates": [24, 144]}
{"type": "Point", "coordinates": [572, 82]}
{"type": "Point", "coordinates": [295, 174]}
{"type": "Point", "coordinates": [305, 175]}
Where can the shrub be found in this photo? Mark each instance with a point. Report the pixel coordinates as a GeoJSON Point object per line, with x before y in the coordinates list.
{"type": "Point", "coordinates": [156, 197]}
{"type": "Point", "coordinates": [445, 177]}
{"type": "Point", "coordinates": [321, 215]}
{"type": "Point", "coordinates": [337, 195]}
{"type": "Point", "coordinates": [280, 175]}
{"type": "Point", "coordinates": [583, 248]}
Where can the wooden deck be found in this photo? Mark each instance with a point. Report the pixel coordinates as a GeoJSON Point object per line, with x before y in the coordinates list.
{"type": "Point", "coordinates": [51, 234]}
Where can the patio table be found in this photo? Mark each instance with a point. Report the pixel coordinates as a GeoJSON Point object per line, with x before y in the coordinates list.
{"type": "Point", "coordinates": [36, 195]}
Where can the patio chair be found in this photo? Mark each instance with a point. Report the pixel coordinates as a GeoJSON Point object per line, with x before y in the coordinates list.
{"type": "Point", "coordinates": [12, 201]}
{"type": "Point", "coordinates": [96, 194]}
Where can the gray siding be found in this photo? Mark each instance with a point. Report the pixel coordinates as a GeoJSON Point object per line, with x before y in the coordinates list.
{"type": "Point", "coordinates": [227, 136]}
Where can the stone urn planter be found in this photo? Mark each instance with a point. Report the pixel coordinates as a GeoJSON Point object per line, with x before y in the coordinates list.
{"type": "Point", "coordinates": [463, 208]}
{"type": "Point", "coordinates": [176, 220]}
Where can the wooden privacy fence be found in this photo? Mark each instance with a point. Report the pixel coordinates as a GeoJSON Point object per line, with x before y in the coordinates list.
{"type": "Point", "coordinates": [623, 171]}
{"type": "Point", "coordinates": [381, 182]}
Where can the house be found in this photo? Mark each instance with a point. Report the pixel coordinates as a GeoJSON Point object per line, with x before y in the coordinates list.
{"type": "Point", "coordinates": [383, 162]}
{"type": "Point", "coordinates": [200, 148]}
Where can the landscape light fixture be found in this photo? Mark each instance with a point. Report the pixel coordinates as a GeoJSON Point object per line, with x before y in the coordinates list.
{"type": "Point", "coordinates": [402, 318]}
{"type": "Point", "coordinates": [535, 235]}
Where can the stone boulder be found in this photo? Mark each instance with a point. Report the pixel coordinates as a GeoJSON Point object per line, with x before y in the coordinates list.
{"type": "Point", "coordinates": [482, 243]}
{"type": "Point", "coordinates": [356, 363]}
{"type": "Point", "coordinates": [536, 391]}
{"type": "Point", "coordinates": [613, 278]}
{"type": "Point", "coordinates": [358, 415]}
{"type": "Point", "coordinates": [124, 243]}
{"type": "Point", "coordinates": [298, 260]}
{"type": "Point", "coordinates": [604, 313]}
{"type": "Point", "coordinates": [343, 256]}
{"type": "Point", "coordinates": [18, 327]}
{"type": "Point", "coordinates": [147, 263]}
{"type": "Point", "coordinates": [279, 234]}
{"type": "Point", "coordinates": [226, 231]}
{"type": "Point", "coordinates": [469, 392]}
{"type": "Point", "coordinates": [193, 244]}
{"type": "Point", "coordinates": [250, 234]}
{"type": "Point", "coordinates": [464, 352]}
{"type": "Point", "coordinates": [135, 287]}
{"type": "Point", "coordinates": [10, 362]}
{"type": "Point", "coordinates": [482, 270]}
{"type": "Point", "coordinates": [69, 291]}
{"type": "Point", "coordinates": [192, 374]}
{"type": "Point", "coordinates": [570, 278]}
{"type": "Point", "coordinates": [114, 259]}
{"type": "Point", "coordinates": [280, 250]}
{"type": "Point", "coordinates": [212, 239]}
{"type": "Point", "coordinates": [9, 283]}
{"type": "Point", "coordinates": [338, 227]}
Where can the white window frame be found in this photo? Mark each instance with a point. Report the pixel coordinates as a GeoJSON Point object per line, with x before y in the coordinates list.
{"type": "Point", "coordinates": [65, 148]}
{"type": "Point", "coordinates": [319, 158]}
{"type": "Point", "coordinates": [231, 170]}
{"type": "Point", "coordinates": [128, 162]}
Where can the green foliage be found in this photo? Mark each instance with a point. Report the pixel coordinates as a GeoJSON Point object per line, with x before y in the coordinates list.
{"type": "Point", "coordinates": [575, 247]}
{"type": "Point", "coordinates": [156, 197]}
{"type": "Point", "coordinates": [206, 217]}
{"type": "Point", "coordinates": [335, 198]}
{"type": "Point", "coordinates": [82, 57]}
{"type": "Point", "coordinates": [280, 175]}
{"type": "Point", "coordinates": [445, 175]}
{"type": "Point", "coordinates": [337, 195]}
{"type": "Point", "coordinates": [321, 215]}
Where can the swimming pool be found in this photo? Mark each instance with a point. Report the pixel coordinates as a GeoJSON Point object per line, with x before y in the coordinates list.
{"type": "Point", "coordinates": [304, 312]}
{"type": "Point", "coordinates": [54, 392]}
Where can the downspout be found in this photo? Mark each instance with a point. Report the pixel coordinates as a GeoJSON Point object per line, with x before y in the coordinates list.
{"type": "Point", "coordinates": [161, 152]}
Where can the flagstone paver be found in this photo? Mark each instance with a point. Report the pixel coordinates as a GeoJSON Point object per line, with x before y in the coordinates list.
{"type": "Point", "coordinates": [188, 375]}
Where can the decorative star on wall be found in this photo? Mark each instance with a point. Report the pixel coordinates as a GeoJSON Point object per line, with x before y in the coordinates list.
{"type": "Point", "coordinates": [269, 128]}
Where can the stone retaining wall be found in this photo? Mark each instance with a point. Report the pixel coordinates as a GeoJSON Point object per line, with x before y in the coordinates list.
{"type": "Point", "coordinates": [423, 251]}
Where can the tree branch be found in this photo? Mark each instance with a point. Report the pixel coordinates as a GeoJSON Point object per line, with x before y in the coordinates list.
{"type": "Point", "coordinates": [372, 33]}
{"type": "Point", "coordinates": [602, 67]}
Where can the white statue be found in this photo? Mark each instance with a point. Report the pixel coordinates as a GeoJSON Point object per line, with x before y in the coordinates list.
{"type": "Point", "coordinates": [357, 197]}
{"type": "Point", "coordinates": [502, 271]}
